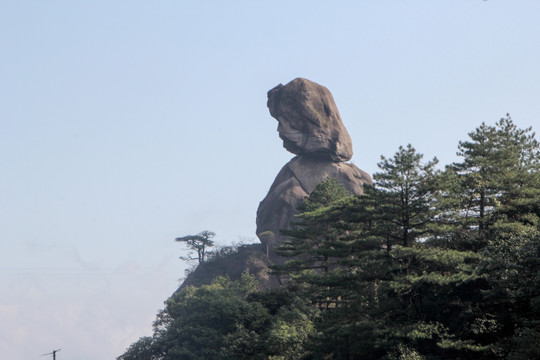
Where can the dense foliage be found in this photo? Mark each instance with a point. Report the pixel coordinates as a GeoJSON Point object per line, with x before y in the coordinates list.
{"type": "Point", "coordinates": [427, 264]}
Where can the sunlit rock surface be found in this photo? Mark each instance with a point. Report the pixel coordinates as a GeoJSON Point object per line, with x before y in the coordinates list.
{"type": "Point", "coordinates": [309, 121]}
{"type": "Point", "coordinates": [311, 127]}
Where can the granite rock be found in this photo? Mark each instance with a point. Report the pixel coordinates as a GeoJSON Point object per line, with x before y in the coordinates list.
{"type": "Point", "coordinates": [296, 180]}
{"type": "Point", "coordinates": [309, 121]}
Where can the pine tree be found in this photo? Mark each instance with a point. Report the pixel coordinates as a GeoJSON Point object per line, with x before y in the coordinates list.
{"type": "Point", "coordinates": [406, 187]}
{"type": "Point", "coordinates": [310, 237]}
{"type": "Point", "coordinates": [417, 276]}
{"type": "Point", "coordinates": [394, 279]}
{"type": "Point", "coordinates": [511, 257]}
{"type": "Point", "coordinates": [488, 203]}
{"type": "Point", "coordinates": [424, 265]}
{"type": "Point", "coordinates": [199, 243]}
{"type": "Point", "coordinates": [497, 177]}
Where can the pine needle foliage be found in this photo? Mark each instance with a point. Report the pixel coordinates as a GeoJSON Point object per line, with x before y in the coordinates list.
{"type": "Point", "coordinates": [427, 264]}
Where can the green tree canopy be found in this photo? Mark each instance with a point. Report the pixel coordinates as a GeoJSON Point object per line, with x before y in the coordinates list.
{"type": "Point", "coordinates": [199, 243]}
{"type": "Point", "coordinates": [426, 264]}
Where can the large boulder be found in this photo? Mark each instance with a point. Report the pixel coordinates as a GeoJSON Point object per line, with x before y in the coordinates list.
{"type": "Point", "coordinates": [309, 121]}
{"type": "Point", "coordinates": [296, 180]}
{"type": "Point", "coordinates": [311, 127]}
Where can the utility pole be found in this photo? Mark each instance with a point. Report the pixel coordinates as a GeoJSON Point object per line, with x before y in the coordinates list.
{"type": "Point", "coordinates": [53, 353]}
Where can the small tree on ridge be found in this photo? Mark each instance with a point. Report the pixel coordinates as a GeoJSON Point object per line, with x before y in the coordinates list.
{"type": "Point", "coordinates": [199, 243]}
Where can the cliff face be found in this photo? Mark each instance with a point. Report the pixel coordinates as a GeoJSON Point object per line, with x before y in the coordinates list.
{"type": "Point", "coordinates": [310, 126]}
{"type": "Point", "coordinates": [250, 258]}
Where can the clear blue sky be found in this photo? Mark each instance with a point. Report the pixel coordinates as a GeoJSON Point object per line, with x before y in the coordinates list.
{"type": "Point", "coordinates": [124, 124]}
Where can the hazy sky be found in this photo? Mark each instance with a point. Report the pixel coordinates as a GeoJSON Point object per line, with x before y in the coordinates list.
{"type": "Point", "coordinates": [124, 124]}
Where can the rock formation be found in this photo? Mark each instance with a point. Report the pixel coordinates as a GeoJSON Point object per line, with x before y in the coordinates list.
{"type": "Point", "coordinates": [250, 258]}
{"type": "Point", "coordinates": [310, 127]}
{"type": "Point", "coordinates": [309, 121]}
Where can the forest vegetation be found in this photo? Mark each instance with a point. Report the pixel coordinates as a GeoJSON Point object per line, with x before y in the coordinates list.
{"type": "Point", "coordinates": [430, 263]}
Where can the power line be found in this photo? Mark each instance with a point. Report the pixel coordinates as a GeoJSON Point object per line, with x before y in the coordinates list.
{"type": "Point", "coordinates": [53, 353]}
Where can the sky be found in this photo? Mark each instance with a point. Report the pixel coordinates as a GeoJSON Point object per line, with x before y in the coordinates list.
{"type": "Point", "coordinates": [125, 124]}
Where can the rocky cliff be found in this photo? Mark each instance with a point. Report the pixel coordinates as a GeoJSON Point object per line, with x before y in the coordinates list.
{"type": "Point", "coordinates": [310, 126]}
